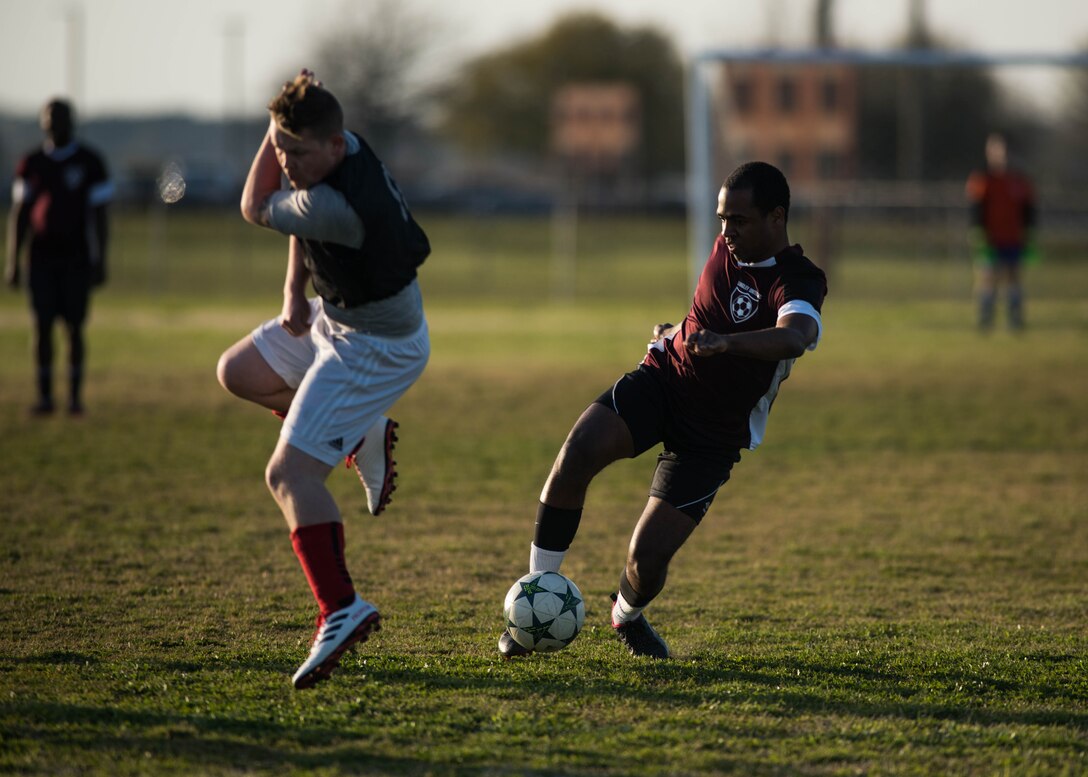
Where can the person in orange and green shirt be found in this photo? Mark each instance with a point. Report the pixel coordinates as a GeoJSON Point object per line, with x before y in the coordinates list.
{"type": "Point", "coordinates": [1003, 219]}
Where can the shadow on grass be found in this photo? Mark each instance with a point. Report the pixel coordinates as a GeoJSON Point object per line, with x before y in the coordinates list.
{"type": "Point", "coordinates": [194, 742]}
{"type": "Point", "coordinates": [861, 692]}
{"type": "Point", "coordinates": [473, 711]}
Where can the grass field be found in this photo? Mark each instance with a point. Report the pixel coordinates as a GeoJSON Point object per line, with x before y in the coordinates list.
{"type": "Point", "coordinates": [896, 583]}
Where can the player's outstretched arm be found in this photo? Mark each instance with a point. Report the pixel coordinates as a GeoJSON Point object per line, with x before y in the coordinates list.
{"type": "Point", "coordinates": [787, 340]}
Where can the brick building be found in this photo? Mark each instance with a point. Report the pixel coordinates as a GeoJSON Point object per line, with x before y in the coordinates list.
{"type": "Point", "coordinates": [801, 118]}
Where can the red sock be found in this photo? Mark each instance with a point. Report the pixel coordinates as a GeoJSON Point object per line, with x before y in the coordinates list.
{"type": "Point", "coordinates": [320, 550]}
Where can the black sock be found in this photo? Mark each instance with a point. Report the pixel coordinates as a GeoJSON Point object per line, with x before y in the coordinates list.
{"type": "Point", "coordinates": [75, 384]}
{"type": "Point", "coordinates": [556, 527]}
{"type": "Point", "coordinates": [630, 595]}
{"type": "Point", "coordinates": [45, 385]}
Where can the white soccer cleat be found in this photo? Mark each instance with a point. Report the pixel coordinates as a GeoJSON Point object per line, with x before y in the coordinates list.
{"type": "Point", "coordinates": [373, 460]}
{"type": "Point", "coordinates": [338, 632]}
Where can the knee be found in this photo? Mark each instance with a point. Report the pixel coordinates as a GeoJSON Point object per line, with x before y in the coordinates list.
{"type": "Point", "coordinates": [277, 480]}
{"type": "Point", "coordinates": [226, 372]}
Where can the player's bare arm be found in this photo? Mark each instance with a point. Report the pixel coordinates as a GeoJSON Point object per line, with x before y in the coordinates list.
{"type": "Point", "coordinates": [102, 237]}
{"type": "Point", "coordinates": [787, 340]}
{"type": "Point", "coordinates": [17, 229]}
{"type": "Point", "coordinates": [296, 306]}
{"type": "Point", "coordinates": [261, 183]}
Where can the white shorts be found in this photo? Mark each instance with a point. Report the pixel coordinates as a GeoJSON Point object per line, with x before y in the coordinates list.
{"type": "Point", "coordinates": [345, 380]}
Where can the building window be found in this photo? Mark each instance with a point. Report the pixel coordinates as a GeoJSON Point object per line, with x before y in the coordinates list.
{"type": "Point", "coordinates": [829, 95]}
{"type": "Point", "coordinates": [828, 165]}
{"type": "Point", "coordinates": [742, 95]}
{"type": "Point", "coordinates": [787, 95]}
{"type": "Point", "coordinates": [785, 163]}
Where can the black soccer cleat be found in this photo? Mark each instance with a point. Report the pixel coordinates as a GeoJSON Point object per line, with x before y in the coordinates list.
{"type": "Point", "coordinates": [43, 408]}
{"type": "Point", "coordinates": [639, 637]}
{"type": "Point", "coordinates": [509, 648]}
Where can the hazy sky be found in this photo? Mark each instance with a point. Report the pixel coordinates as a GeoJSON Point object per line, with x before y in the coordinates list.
{"type": "Point", "coordinates": [211, 56]}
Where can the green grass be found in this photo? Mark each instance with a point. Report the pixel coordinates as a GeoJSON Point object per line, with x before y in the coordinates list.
{"type": "Point", "coordinates": [893, 584]}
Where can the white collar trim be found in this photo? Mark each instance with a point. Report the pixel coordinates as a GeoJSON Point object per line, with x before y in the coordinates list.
{"type": "Point", "coordinates": [765, 263]}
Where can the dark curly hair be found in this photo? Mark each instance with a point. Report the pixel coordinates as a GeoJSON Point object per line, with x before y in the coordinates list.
{"type": "Point", "coordinates": [304, 105]}
{"type": "Point", "coordinates": [767, 184]}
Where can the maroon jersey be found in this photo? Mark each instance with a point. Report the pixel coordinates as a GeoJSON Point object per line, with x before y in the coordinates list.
{"type": "Point", "coordinates": [727, 396]}
{"type": "Point", "coordinates": [61, 188]}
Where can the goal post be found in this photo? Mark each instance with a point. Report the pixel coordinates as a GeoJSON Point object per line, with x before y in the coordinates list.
{"type": "Point", "coordinates": [702, 173]}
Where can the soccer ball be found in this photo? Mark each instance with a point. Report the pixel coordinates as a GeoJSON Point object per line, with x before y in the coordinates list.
{"type": "Point", "coordinates": [544, 611]}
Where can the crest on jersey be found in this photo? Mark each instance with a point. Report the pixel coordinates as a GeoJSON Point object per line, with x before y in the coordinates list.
{"type": "Point", "coordinates": [73, 177]}
{"type": "Point", "coordinates": [743, 303]}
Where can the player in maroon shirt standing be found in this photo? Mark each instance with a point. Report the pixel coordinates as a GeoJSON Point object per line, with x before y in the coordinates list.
{"type": "Point", "coordinates": [704, 390]}
{"type": "Point", "coordinates": [59, 201]}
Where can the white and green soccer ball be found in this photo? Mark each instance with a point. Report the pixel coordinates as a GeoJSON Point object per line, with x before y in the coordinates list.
{"type": "Point", "coordinates": [544, 611]}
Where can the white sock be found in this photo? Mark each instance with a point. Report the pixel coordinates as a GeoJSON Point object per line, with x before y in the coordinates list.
{"type": "Point", "coordinates": [541, 560]}
{"type": "Point", "coordinates": [622, 612]}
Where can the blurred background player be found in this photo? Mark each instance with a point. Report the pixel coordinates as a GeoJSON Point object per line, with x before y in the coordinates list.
{"type": "Point", "coordinates": [59, 200]}
{"type": "Point", "coordinates": [704, 389]}
{"type": "Point", "coordinates": [1003, 217]}
{"type": "Point", "coordinates": [331, 366]}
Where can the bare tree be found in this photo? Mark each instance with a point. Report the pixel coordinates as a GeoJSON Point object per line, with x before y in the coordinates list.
{"type": "Point", "coordinates": [372, 58]}
{"type": "Point", "coordinates": [501, 101]}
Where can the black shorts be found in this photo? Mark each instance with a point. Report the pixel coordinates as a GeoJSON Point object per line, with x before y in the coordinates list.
{"type": "Point", "coordinates": [59, 289]}
{"type": "Point", "coordinates": [693, 465]}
